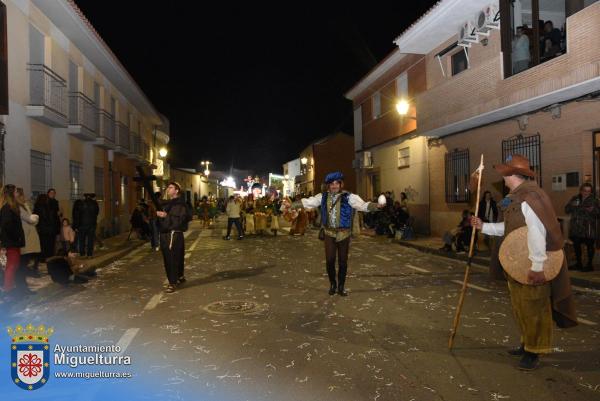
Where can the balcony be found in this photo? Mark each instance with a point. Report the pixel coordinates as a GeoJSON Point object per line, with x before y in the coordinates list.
{"type": "Point", "coordinates": [106, 130]}
{"type": "Point", "coordinates": [122, 139]}
{"type": "Point", "coordinates": [135, 148]}
{"type": "Point", "coordinates": [146, 154]}
{"type": "Point", "coordinates": [82, 117]}
{"type": "Point", "coordinates": [48, 100]}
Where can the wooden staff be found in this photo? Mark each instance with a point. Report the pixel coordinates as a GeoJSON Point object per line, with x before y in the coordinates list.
{"type": "Point", "coordinates": [461, 299]}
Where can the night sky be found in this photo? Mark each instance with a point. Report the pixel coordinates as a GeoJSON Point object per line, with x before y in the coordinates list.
{"type": "Point", "coordinates": [249, 85]}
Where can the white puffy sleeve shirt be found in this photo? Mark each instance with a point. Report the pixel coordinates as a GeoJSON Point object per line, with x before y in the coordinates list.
{"type": "Point", "coordinates": [354, 200]}
{"type": "Point", "coordinates": [536, 236]}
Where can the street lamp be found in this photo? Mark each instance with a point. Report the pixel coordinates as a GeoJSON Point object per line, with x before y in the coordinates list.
{"type": "Point", "coordinates": [206, 170]}
{"type": "Point", "coordinates": [402, 107]}
{"type": "Point", "coordinates": [162, 152]}
{"type": "Point", "coordinates": [304, 160]}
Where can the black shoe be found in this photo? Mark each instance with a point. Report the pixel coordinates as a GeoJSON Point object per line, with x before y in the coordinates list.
{"type": "Point", "coordinates": [226, 238]}
{"type": "Point", "coordinates": [529, 361]}
{"type": "Point", "coordinates": [240, 237]}
{"type": "Point", "coordinates": [181, 280]}
{"type": "Point", "coordinates": [342, 292]}
{"type": "Point", "coordinates": [517, 351]}
{"type": "Point", "coordinates": [332, 288]}
{"type": "Point", "coordinates": [170, 289]}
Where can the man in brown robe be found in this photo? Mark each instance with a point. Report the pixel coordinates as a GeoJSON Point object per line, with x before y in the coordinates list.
{"type": "Point", "coordinates": [536, 304]}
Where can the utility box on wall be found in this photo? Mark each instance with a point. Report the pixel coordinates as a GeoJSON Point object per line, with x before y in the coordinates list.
{"type": "Point", "coordinates": [559, 182]}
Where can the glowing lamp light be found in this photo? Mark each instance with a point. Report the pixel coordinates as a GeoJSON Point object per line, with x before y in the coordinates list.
{"type": "Point", "coordinates": [304, 160]}
{"type": "Point", "coordinates": [206, 172]}
{"type": "Point", "coordinates": [163, 152]}
{"type": "Point", "coordinates": [402, 107]}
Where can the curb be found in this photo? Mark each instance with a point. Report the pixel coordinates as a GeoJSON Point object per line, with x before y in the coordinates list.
{"type": "Point", "coordinates": [483, 263]}
{"type": "Point", "coordinates": [53, 289]}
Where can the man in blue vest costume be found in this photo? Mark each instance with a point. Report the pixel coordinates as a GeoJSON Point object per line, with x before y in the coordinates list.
{"type": "Point", "coordinates": [337, 209]}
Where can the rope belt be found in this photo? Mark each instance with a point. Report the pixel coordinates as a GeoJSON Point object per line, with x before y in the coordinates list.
{"type": "Point", "coordinates": [171, 240]}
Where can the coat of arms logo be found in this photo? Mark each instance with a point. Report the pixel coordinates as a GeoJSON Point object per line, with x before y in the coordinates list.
{"type": "Point", "coordinates": [30, 355]}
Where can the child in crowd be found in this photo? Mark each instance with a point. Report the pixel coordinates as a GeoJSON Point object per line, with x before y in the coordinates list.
{"type": "Point", "coordinates": [67, 235]}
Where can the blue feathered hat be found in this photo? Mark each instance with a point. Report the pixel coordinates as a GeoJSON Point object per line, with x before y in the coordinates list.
{"type": "Point", "coordinates": [335, 176]}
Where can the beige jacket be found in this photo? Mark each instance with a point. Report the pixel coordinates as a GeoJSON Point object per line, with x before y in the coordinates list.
{"type": "Point", "coordinates": [32, 239]}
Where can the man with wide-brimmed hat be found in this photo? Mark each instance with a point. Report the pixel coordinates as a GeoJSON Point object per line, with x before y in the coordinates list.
{"type": "Point", "coordinates": [337, 209]}
{"type": "Point", "coordinates": [536, 303]}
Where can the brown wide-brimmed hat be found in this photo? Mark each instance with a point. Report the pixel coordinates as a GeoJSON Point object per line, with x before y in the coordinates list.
{"type": "Point", "coordinates": [515, 164]}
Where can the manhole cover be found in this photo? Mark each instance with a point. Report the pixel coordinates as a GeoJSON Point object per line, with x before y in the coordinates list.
{"type": "Point", "coordinates": [234, 307]}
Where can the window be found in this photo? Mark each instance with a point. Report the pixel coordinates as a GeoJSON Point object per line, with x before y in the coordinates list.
{"type": "Point", "coordinates": [75, 176]}
{"type": "Point", "coordinates": [402, 86]}
{"type": "Point", "coordinates": [459, 61]}
{"type": "Point", "coordinates": [457, 176]}
{"type": "Point", "coordinates": [376, 104]}
{"type": "Point", "coordinates": [3, 62]}
{"type": "Point", "coordinates": [535, 32]}
{"type": "Point", "coordinates": [403, 157]}
{"type": "Point", "coordinates": [528, 146]}
{"type": "Point", "coordinates": [41, 173]}
{"type": "Point", "coordinates": [99, 182]}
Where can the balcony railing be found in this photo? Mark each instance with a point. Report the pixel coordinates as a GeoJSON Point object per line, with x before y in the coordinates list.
{"type": "Point", "coordinates": [82, 111]}
{"type": "Point", "coordinates": [106, 126]}
{"type": "Point", "coordinates": [122, 136]}
{"type": "Point", "coordinates": [146, 152]}
{"type": "Point", "coordinates": [47, 89]}
{"type": "Point", "coordinates": [135, 146]}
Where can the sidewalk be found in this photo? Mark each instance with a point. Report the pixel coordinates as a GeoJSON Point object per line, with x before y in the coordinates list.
{"type": "Point", "coordinates": [432, 245]}
{"type": "Point", "coordinates": [115, 247]}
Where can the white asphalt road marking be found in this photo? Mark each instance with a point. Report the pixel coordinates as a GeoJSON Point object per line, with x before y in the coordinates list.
{"type": "Point", "coordinates": [588, 290]}
{"type": "Point", "coordinates": [419, 269]}
{"type": "Point", "coordinates": [187, 255]}
{"type": "Point", "coordinates": [194, 244]}
{"type": "Point", "coordinates": [473, 286]}
{"type": "Point", "coordinates": [587, 322]}
{"type": "Point", "coordinates": [383, 257]}
{"type": "Point", "coordinates": [126, 339]}
{"type": "Point", "coordinates": [187, 233]}
{"type": "Point", "coordinates": [154, 301]}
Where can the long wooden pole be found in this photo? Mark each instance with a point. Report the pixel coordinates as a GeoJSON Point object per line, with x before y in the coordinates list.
{"type": "Point", "coordinates": [461, 299]}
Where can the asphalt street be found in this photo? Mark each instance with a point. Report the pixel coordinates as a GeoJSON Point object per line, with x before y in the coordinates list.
{"type": "Point", "coordinates": [255, 322]}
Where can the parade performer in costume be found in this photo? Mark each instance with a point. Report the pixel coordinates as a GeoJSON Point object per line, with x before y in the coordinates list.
{"type": "Point", "coordinates": [337, 208]}
{"type": "Point", "coordinates": [534, 304]}
{"type": "Point", "coordinates": [273, 206]}
{"type": "Point", "coordinates": [173, 222]}
{"type": "Point", "coordinates": [261, 218]}
{"type": "Point", "coordinates": [248, 207]}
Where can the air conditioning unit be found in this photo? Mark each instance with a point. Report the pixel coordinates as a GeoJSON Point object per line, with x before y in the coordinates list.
{"type": "Point", "coordinates": [367, 160]}
{"type": "Point", "coordinates": [467, 34]}
{"type": "Point", "coordinates": [488, 18]}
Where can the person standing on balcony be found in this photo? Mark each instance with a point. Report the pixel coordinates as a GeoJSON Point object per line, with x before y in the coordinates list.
{"type": "Point", "coordinates": [584, 210]}
{"type": "Point", "coordinates": [520, 51]}
{"type": "Point", "coordinates": [337, 209]}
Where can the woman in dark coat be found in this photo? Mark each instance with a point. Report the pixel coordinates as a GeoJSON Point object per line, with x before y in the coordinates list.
{"type": "Point", "coordinates": [584, 210]}
{"type": "Point", "coordinates": [46, 227]}
{"type": "Point", "coordinates": [12, 237]}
